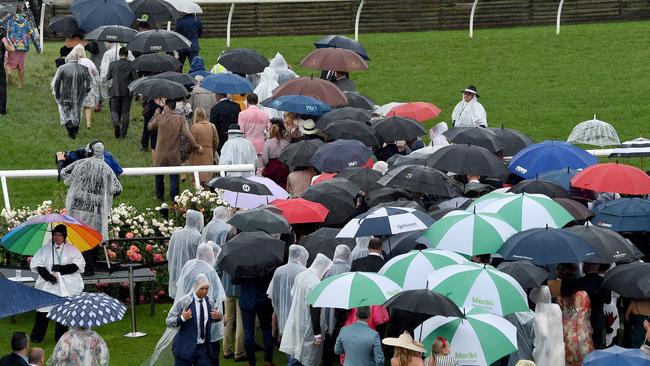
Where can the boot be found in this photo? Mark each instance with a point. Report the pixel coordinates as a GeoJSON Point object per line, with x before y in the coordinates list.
{"type": "Point", "coordinates": [117, 132]}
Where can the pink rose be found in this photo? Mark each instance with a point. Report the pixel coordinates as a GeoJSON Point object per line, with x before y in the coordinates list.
{"type": "Point", "coordinates": [64, 211]}
{"type": "Point", "coordinates": [149, 248]}
{"type": "Point", "coordinates": [114, 246]}
{"type": "Point", "coordinates": [112, 254]}
{"type": "Point", "coordinates": [134, 249]}
{"type": "Point", "coordinates": [129, 235]}
{"type": "Point", "coordinates": [157, 258]}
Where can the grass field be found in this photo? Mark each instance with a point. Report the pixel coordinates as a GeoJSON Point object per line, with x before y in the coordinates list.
{"type": "Point", "coordinates": [529, 79]}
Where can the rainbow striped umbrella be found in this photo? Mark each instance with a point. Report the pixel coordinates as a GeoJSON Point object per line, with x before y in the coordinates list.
{"type": "Point", "coordinates": [28, 237]}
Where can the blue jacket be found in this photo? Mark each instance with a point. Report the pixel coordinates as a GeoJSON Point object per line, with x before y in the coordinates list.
{"type": "Point", "coordinates": [361, 345]}
{"type": "Point", "coordinates": [190, 26]}
{"type": "Point", "coordinates": [185, 340]}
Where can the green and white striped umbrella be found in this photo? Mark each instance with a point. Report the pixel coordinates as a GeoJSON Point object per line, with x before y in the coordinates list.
{"type": "Point", "coordinates": [475, 285]}
{"type": "Point", "coordinates": [410, 270]}
{"type": "Point", "coordinates": [353, 289]}
{"type": "Point", "coordinates": [486, 199]}
{"type": "Point", "coordinates": [480, 338]}
{"type": "Point", "coordinates": [528, 211]}
{"type": "Point", "coordinates": [469, 233]}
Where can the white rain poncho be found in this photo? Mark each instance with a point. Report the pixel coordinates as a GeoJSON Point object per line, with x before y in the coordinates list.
{"type": "Point", "coordinates": [548, 347]}
{"type": "Point", "coordinates": [298, 335]}
{"type": "Point", "coordinates": [237, 150]}
{"type": "Point", "coordinates": [282, 282]}
{"type": "Point", "coordinates": [70, 86]}
{"type": "Point", "coordinates": [264, 90]}
{"type": "Point", "coordinates": [361, 249]}
{"type": "Point", "coordinates": [80, 346]}
{"type": "Point", "coordinates": [342, 262]}
{"type": "Point", "coordinates": [280, 66]}
{"type": "Point", "coordinates": [525, 324]}
{"type": "Point", "coordinates": [182, 247]}
{"type": "Point", "coordinates": [93, 185]}
{"type": "Point", "coordinates": [217, 229]}
{"type": "Point", "coordinates": [66, 285]}
{"type": "Point", "coordinates": [436, 134]}
{"type": "Point", "coordinates": [469, 114]}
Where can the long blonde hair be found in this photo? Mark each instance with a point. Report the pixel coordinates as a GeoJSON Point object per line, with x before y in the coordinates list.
{"type": "Point", "coordinates": [403, 355]}
{"type": "Point", "coordinates": [199, 115]}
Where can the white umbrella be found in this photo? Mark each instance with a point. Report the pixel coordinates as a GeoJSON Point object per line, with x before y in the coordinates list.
{"type": "Point", "coordinates": [352, 290]}
{"type": "Point", "coordinates": [637, 148]}
{"type": "Point", "coordinates": [384, 109]}
{"type": "Point", "coordinates": [594, 132]}
{"type": "Point", "coordinates": [185, 6]}
{"type": "Point", "coordinates": [410, 270]}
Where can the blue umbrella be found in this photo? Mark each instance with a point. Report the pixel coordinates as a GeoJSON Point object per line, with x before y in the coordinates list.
{"type": "Point", "coordinates": [617, 356]}
{"type": "Point", "coordinates": [299, 104]}
{"type": "Point", "coordinates": [18, 298]}
{"type": "Point", "coordinates": [560, 176]}
{"type": "Point", "coordinates": [227, 84]}
{"type": "Point", "coordinates": [624, 214]}
{"type": "Point", "coordinates": [543, 246]}
{"type": "Point", "coordinates": [340, 154]}
{"type": "Point", "coordinates": [88, 310]}
{"type": "Point", "coordinates": [93, 14]}
{"type": "Point", "coordinates": [549, 155]}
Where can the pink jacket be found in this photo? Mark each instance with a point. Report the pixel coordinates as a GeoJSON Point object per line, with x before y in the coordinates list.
{"type": "Point", "coordinates": [253, 123]}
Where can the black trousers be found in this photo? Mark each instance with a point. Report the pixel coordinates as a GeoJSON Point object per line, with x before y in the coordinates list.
{"type": "Point", "coordinates": [120, 110]}
{"type": "Point", "coordinates": [40, 328]}
{"type": "Point", "coordinates": [3, 92]}
{"type": "Point", "coordinates": [90, 256]}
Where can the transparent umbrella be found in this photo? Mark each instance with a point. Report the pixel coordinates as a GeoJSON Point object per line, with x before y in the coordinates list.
{"type": "Point", "coordinates": [594, 132]}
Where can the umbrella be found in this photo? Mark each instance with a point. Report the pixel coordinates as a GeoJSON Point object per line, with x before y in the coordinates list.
{"type": "Point", "coordinates": [157, 11]}
{"type": "Point", "coordinates": [259, 219]}
{"type": "Point", "coordinates": [629, 180]}
{"type": "Point", "coordinates": [617, 356]}
{"type": "Point", "coordinates": [398, 128]}
{"type": "Point", "coordinates": [88, 310]}
{"type": "Point", "coordinates": [156, 63]}
{"type": "Point", "coordinates": [240, 184]}
{"type": "Point", "coordinates": [579, 211]}
{"type": "Point", "coordinates": [485, 200]}
{"type": "Point", "coordinates": [594, 132]}
{"type": "Point", "coordinates": [476, 338]}
{"type": "Point", "coordinates": [344, 114]}
{"type": "Point", "coordinates": [352, 130]}
{"type": "Point", "coordinates": [513, 140]}
{"type": "Point", "coordinates": [298, 104]}
{"type": "Point", "coordinates": [410, 270]}
{"type": "Point", "coordinates": [440, 213]}
{"type": "Point", "coordinates": [544, 246]}
{"type": "Point", "coordinates": [338, 155]}
{"type": "Point", "coordinates": [333, 41]}
{"type": "Point", "coordinates": [637, 148]}
{"type": "Point", "coordinates": [468, 159]}
{"type": "Point", "coordinates": [469, 233]}
{"type": "Point", "coordinates": [421, 179]}
{"type": "Point", "coordinates": [178, 77]}
{"type": "Point", "coordinates": [28, 237]}
{"type": "Point", "coordinates": [527, 274]}
{"type": "Point", "coordinates": [227, 84]}
{"type": "Point", "coordinates": [301, 211]}
{"type": "Point", "coordinates": [358, 100]}
{"type": "Point", "coordinates": [324, 241]}
{"type": "Point", "coordinates": [549, 155]}
{"type": "Point", "coordinates": [112, 33]}
{"type": "Point", "coordinates": [93, 14]}
{"type": "Point", "coordinates": [320, 89]}
{"type": "Point", "coordinates": [365, 178]}
{"type": "Point", "coordinates": [419, 111]}
{"type": "Point", "coordinates": [480, 286]}
{"type": "Point", "coordinates": [18, 298]}
{"type": "Point", "coordinates": [335, 59]}
{"type": "Point", "coordinates": [65, 26]}
{"type": "Point", "coordinates": [159, 88]}
{"type": "Point", "coordinates": [399, 203]}
{"type": "Point", "coordinates": [387, 194]}
{"type": "Point", "coordinates": [6, 12]}
{"type": "Point", "coordinates": [244, 61]}
{"type": "Point", "coordinates": [236, 258]}
{"type": "Point", "coordinates": [385, 108]}
{"type": "Point", "coordinates": [610, 246]}
{"type": "Point", "coordinates": [423, 302]}
{"type": "Point", "coordinates": [337, 198]}
{"type": "Point", "coordinates": [403, 243]}
{"type": "Point", "coordinates": [251, 200]}
{"type": "Point", "coordinates": [629, 280]}
{"type": "Point", "coordinates": [386, 221]}
{"type": "Point", "coordinates": [540, 186]}
{"type": "Point", "coordinates": [478, 136]}
{"type": "Point", "coordinates": [184, 6]}
{"type": "Point", "coordinates": [300, 153]}
{"type": "Point", "coordinates": [157, 40]}
{"type": "Point", "coordinates": [352, 290]}
{"type": "Point", "coordinates": [624, 214]}
{"type": "Point", "coordinates": [560, 176]}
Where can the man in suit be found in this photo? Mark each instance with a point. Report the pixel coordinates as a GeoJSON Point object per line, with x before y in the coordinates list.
{"type": "Point", "coordinates": [19, 348]}
{"type": "Point", "coordinates": [222, 115]}
{"type": "Point", "coordinates": [375, 259]}
{"type": "Point", "coordinates": [592, 283]}
{"type": "Point", "coordinates": [121, 72]}
{"type": "Point", "coordinates": [342, 80]}
{"type": "Point", "coordinates": [194, 314]}
{"type": "Point", "coordinates": [360, 343]}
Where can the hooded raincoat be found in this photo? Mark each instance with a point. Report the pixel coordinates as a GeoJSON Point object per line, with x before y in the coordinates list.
{"type": "Point", "coordinates": [341, 263]}
{"type": "Point", "coordinates": [182, 247]}
{"type": "Point", "coordinates": [237, 150]}
{"type": "Point", "coordinates": [264, 90]}
{"type": "Point", "coordinates": [217, 229]}
{"type": "Point", "coordinates": [525, 325]}
{"type": "Point", "coordinates": [469, 114]}
{"type": "Point", "coordinates": [361, 249]}
{"type": "Point", "coordinates": [70, 86]}
{"type": "Point", "coordinates": [282, 282]}
{"type": "Point", "coordinates": [436, 134]}
{"type": "Point", "coordinates": [280, 66]}
{"type": "Point", "coordinates": [548, 347]}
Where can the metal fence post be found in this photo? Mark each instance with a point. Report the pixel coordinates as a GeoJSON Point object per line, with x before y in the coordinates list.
{"type": "Point", "coordinates": [134, 332]}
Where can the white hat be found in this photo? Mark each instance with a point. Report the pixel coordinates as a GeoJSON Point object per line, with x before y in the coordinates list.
{"type": "Point", "coordinates": [404, 341]}
{"type": "Point", "coordinates": [309, 127]}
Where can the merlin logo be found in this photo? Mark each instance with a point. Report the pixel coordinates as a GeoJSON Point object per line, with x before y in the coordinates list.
{"type": "Point", "coordinates": [311, 108]}
{"type": "Point", "coordinates": [482, 302]}
{"type": "Point", "coordinates": [246, 187]}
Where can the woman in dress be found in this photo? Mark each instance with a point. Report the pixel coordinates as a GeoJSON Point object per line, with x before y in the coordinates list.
{"type": "Point", "coordinates": [441, 354]}
{"type": "Point", "coordinates": [637, 312]}
{"type": "Point", "coordinates": [292, 124]}
{"type": "Point", "coordinates": [273, 146]}
{"type": "Point", "coordinates": [576, 310]}
{"type": "Point", "coordinates": [205, 135]}
{"type": "Point", "coordinates": [80, 347]}
{"type": "Point", "coordinates": [407, 351]}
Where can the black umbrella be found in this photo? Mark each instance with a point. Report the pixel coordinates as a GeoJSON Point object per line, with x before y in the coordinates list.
{"type": "Point", "coordinates": [337, 197]}
{"type": "Point", "coordinates": [479, 136]}
{"type": "Point", "coordinates": [157, 11]}
{"type": "Point", "coordinates": [300, 153]}
{"type": "Point", "coordinates": [345, 113]}
{"type": "Point", "coordinates": [178, 77]}
{"type": "Point", "coordinates": [155, 88]}
{"type": "Point", "coordinates": [243, 61]}
{"type": "Point", "coordinates": [358, 100]}
{"type": "Point", "coordinates": [609, 245]}
{"type": "Point", "coordinates": [527, 274]}
{"type": "Point", "coordinates": [540, 186]}
{"type": "Point", "coordinates": [6, 12]}
{"type": "Point", "coordinates": [456, 203]}
{"type": "Point", "coordinates": [421, 179]}
{"type": "Point", "coordinates": [333, 41]}
{"type": "Point", "coordinates": [474, 189]}
{"type": "Point", "coordinates": [324, 241]}
{"type": "Point", "coordinates": [93, 14]}
{"type": "Point", "coordinates": [629, 280]}
{"type": "Point", "coordinates": [240, 184]}
{"type": "Point", "coordinates": [259, 219]}
{"type": "Point", "coordinates": [236, 258]}
{"type": "Point", "coordinates": [547, 246]}
{"type": "Point", "coordinates": [157, 40]}
{"type": "Point", "coordinates": [403, 243]}
{"type": "Point", "coordinates": [468, 159]}
{"type": "Point", "coordinates": [424, 302]}
{"type": "Point", "coordinates": [112, 33]}
{"type": "Point", "coordinates": [400, 203]}
{"type": "Point", "coordinates": [156, 62]}
{"type": "Point", "coordinates": [351, 130]}
{"type": "Point", "coordinates": [513, 141]}
{"type": "Point", "coordinates": [65, 26]}
{"type": "Point", "coordinates": [578, 210]}
{"type": "Point", "coordinates": [440, 212]}
{"type": "Point", "coordinates": [365, 178]}
{"type": "Point", "coordinates": [387, 194]}
{"type": "Point", "coordinates": [398, 128]}
{"type": "Point", "coordinates": [400, 160]}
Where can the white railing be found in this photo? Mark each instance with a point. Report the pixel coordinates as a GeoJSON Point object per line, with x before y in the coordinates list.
{"type": "Point", "coordinates": [195, 169]}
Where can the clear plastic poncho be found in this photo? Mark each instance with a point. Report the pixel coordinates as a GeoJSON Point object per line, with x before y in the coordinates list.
{"type": "Point", "coordinates": [80, 346]}
{"type": "Point", "coordinates": [436, 135]}
{"type": "Point", "coordinates": [70, 86]}
{"type": "Point", "coordinates": [182, 247]}
{"type": "Point", "coordinates": [469, 114]}
{"type": "Point", "coordinates": [280, 66]}
{"type": "Point", "coordinates": [93, 184]}
{"type": "Point", "coordinates": [548, 347]}
{"type": "Point", "coordinates": [217, 229]}
{"type": "Point", "coordinates": [342, 262]}
{"type": "Point", "coordinates": [264, 90]}
{"type": "Point", "coordinates": [298, 335]}
{"type": "Point", "coordinates": [237, 150]}
{"type": "Point", "coordinates": [282, 282]}
{"type": "Point", "coordinates": [525, 325]}
{"type": "Point", "coordinates": [361, 249]}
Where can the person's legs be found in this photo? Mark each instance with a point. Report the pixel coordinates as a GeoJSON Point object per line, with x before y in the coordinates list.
{"type": "Point", "coordinates": [89, 116]}
{"type": "Point", "coordinates": [228, 329]}
{"type": "Point", "coordinates": [201, 356]}
{"type": "Point", "coordinates": [21, 69]}
{"type": "Point", "coordinates": [182, 362]}
{"type": "Point", "coordinates": [40, 327]}
{"type": "Point", "coordinates": [59, 330]}
{"type": "Point", "coordinates": [173, 186]}
{"type": "Point", "coordinates": [116, 111]}
{"type": "Point", "coordinates": [264, 315]}
{"type": "Point", "coordinates": [248, 318]}
{"type": "Point", "coordinates": [90, 256]}
{"type": "Point", "coordinates": [144, 140]}
{"type": "Point", "coordinates": [239, 332]}
{"type": "Point", "coordinates": [3, 92]}
{"type": "Point", "coordinates": [214, 353]}
{"type": "Point", "coordinates": [160, 187]}
{"type": "Point", "coordinates": [125, 115]}
{"type": "Point", "coordinates": [9, 71]}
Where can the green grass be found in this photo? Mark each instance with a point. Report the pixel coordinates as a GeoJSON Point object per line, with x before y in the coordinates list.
{"type": "Point", "coordinates": [529, 79]}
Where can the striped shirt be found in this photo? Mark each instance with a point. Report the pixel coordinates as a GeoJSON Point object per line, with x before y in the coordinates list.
{"type": "Point", "coordinates": [442, 360]}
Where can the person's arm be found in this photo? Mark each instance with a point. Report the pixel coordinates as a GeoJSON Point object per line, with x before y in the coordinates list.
{"type": "Point", "coordinates": [66, 269]}
{"type": "Point", "coordinates": [102, 351]}
{"type": "Point", "coordinates": [200, 30]}
{"type": "Point", "coordinates": [153, 123]}
{"type": "Point", "coordinates": [265, 154]}
{"type": "Point", "coordinates": [338, 346]}
{"type": "Point", "coordinates": [315, 321]}
{"type": "Point", "coordinates": [47, 276]}
{"type": "Point", "coordinates": [377, 352]}
{"type": "Point", "coordinates": [190, 138]}
{"type": "Point", "coordinates": [174, 316]}
{"type": "Point", "coordinates": [8, 45]}
{"type": "Point", "coordinates": [109, 74]}
{"type": "Point", "coordinates": [215, 138]}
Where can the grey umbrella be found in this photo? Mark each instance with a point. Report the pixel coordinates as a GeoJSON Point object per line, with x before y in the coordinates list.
{"type": "Point", "coordinates": [421, 179]}
{"type": "Point", "coordinates": [260, 220]}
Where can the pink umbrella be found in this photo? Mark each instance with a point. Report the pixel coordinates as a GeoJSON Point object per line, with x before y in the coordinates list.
{"type": "Point", "coordinates": [247, 200]}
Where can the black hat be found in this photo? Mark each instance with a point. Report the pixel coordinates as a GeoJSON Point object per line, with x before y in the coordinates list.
{"type": "Point", "coordinates": [61, 229]}
{"type": "Point", "coordinates": [470, 89]}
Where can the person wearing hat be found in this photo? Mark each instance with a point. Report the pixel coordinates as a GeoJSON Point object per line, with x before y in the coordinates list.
{"type": "Point", "coordinates": [59, 265]}
{"type": "Point", "coordinates": [309, 131]}
{"type": "Point", "coordinates": [469, 112]}
{"type": "Point", "coordinates": [223, 114]}
{"type": "Point", "coordinates": [237, 150]}
{"type": "Point", "coordinates": [407, 351]}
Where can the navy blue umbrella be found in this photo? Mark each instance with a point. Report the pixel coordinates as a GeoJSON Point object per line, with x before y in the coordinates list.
{"type": "Point", "coordinates": [88, 310]}
{"type": "Point", "coordinates": [93, 14]}
{"type": "Point", "coordinates": [336, 156]}
{"type": "Point", "coordinates": [333, 41]}
{"type": "Point", "coordinates": [543, 246]}
{"type": "Point", "coordinates": [560, 176]}
{"type": "Point", "coordinates": [227, 84]}
{"type": "Point", "coordinates": [624, 214]}
{"type": "Point", "coordinates": [617, 356]}
{"type": "Point", "coordinates": [549, 155]}
{"type": "Point", "coordinates": [18, 298]}
{"type": "Point", "coordinates": [298, 104]}
{"type": "Point", "coordinates": [629, 280]}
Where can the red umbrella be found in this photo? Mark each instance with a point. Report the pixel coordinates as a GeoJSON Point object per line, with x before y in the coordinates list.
{"type": "Point", "coordinates": [613, 177]}
{"type": "Point", "coordinates": [419, 111]}
{"type": "Point", "coordinates": [323, 177]}
{"type": "Point", "coordinates": [322, 90]}
{"type": "Point", "coordinates": [301, 211]}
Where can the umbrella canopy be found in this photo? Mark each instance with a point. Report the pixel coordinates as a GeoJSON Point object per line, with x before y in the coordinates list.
{"type": "Point", "coordinates": [561, 177]}
{"type": "Point", "coordinates": [227, 84]}
{"type": "Point", "coordinates": [300, 153]}
{"type": "Point", "coordinates": [456, 203]}
{"type": "Point", "coordinates": [157, 11]}
{"type": "Point", "coordinates": [301, 211]}
{"type": "Point", "coordinates": [610, 246]}
{"type": "Point", "coordinates": [250, 200]}
{"type": "Point", "coordinates": [65, 26]}
{"type": "Point", "coordinates": [365, 178]}
{"type": "Point", "coordinates": [333, 41]}
{"type": "Point", "coordinates": [388, 194]}
{"type": "Point", "coordinates": [240, 184]}
{"type": "Point", "coordinates": [478, 136]}
{"type": "Point", "coordinates": [579, 211]}
{"type": "Point", "coordinates": [158, 40]}
{"type": "Point", "coordinates": [398, 128]}
{"type": "Point", "coordinates": [594, 132]}
{"type": "Point", "coordinates": [540, 186]}
{"type": "Point", "coordinates": [629, 179]}
{"type": "Point", "coordinates": [28, 237]}
{"type": "Point", "coordinates": [336, 59]}
{"type": "Point", "coordinates": [112, 33]}
{"type": "Point", "coordinates": [259, 219]}
{"type": "Point", "coordinates": [421, 179]}
{"type": "Point", "coordinates": [386, 221]}
{"type": "Point", "coordinates": [424, 302]}
{"type": "Point", "coordinates": [236, 258]}
{"type": "Point", "coordinates": [244, 61]}
{"type": "Point", "coordinates": [186, 79]}
{"type": "Point", "coordinates": [324, 241]}
{"type": "Point", "coordinates": [92, 14]}
{"type": "Point", "coordinates": [352, 290]}
{"type": "Point", "coordinates": [18, 298]}
{"type": "Point", "coordinates": [544, 246]}
{"type": "Point", "coordinates": [527, 274]}
{"type": "Point", "coordinates": [617, 356]}
{"type": "Point", "coordinates": [410, 270]}
{"type": "Point", "coordinates": [549, 155]}
{"type": "Point", "coordinates": [468, 159]}
{"type": "Point", "coordinates": [624, 214]}
{"type": "Point", "coordinates": [338, 199]}
{"type": "Point", "coordinates": [185, 6]}
{"type": "Point", "coordinates": [335, 156]}
{"type": "Point", "coordinates": [298, 104]}
{"type": "Point", "coordinates": [344, 114]}
{"type": "Point", "coordinates": [469, 233]}
{"type": "Point", "coordinates": [358, 100]}
{"type": "Point", "coordinates": [403, 243]}
{"type": "Point", "coordinates": [636, 148]}
{"type": "Point", "coordinates": [6, 12]}
{"type": "Point", "coordinates": [629, 280]}
{"type": "Point", "coordinates": [419, 111]}
{"type": "Point", "coordinates": [155, 88]}
{"type": "Point", "coordinates": [88, 310]}
{"type": "Point", "coordinates": [156, 63]}
{"type": "Point", "coordinates": [480, 286]}
{"type": "Point", "coordinates": [513, 140]}
{"type": "Point", "coordinates": [320, 89]}
{"type": "Point", "coordinates": [352, 130]}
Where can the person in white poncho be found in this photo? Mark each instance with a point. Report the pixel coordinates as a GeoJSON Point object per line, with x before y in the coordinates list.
{"type": "Point", "coordinates": [182, 247]}
{"type": "Point", "coordinates": [548, 347]}
{"type": "Point", "coordinates": [469, 112]}
{"type": "Point", "coordinates": [217, 229]}
{"type": "Point", "coordinates": [264, 90]}
{"type": "Point", "coordinates": [280, 66]}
